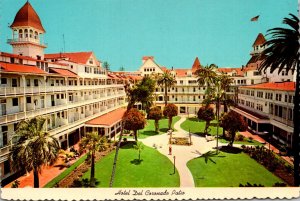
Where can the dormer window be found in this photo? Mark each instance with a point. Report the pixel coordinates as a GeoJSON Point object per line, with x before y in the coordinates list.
{"type": "Point", "coordinates": [91, 61]}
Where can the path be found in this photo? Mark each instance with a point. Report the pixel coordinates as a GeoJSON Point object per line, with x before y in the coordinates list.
{"type": "Point", "coordinates": [182, 153]}
{"type": "Point", "coordinates": [48, 173]}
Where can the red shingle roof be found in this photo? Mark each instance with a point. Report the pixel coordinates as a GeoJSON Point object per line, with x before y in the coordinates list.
{"type": "Point", "coordinates": [196, 65]}
{"type": "Point", "coordinates": [280, 86]}
{"type": "Point", "coordinates": [8, 67]}
{"type": "Point", "coordinates": [76, 57]}
{"type": "Point", "coordinates": [27, 16]}
{"type": "Point", "coordinates": [148, 57]}
{"type": "Point", "coordinates": [260, 40]}
{"type": "Point", "coordinates": [108, 119]}
{"type": "Point", "coordinates": [63, 72]}
{"type": "Point", "coordinates": [181, 72]}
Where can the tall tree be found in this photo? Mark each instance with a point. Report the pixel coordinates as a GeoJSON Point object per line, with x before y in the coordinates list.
{"type": "Point", "coordinates": [34, 148]}
{"type": "Point", "coordinates": [155, 114]}
{"type": "Point", "coordinates": [233, 122]}
{"type": "Point", "coordinates": [134, 120]}
{"type": "Point", "coordinates": [141, 92]}
{"type": "Point", "coordinates": [225, 81]}
{"type": "Point", "coordinates": [206, 75]}
{"type": "Point", "coordinates": [166, 80]}
{"type": "Point", "coordinates": [170, 111]}
{"type": "Point", "coordinates": [93, 142]}
{"type": "Point", "coordinates": [122, 69]}
{"type": "Point", "coordinates": [282, 53]}
{"type": "Point", "coordinates": [207, 114]}
{"type": "Point", "coordinates": [106, 66]}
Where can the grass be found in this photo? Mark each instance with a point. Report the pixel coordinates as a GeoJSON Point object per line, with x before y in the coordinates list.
{"type": "Point", "coordinates": [230, 170]}
{"type": "Point", "coordinates": [197, 127]}
{"type": "Point", "coordinates": [149, 129]}
{"type": "Point", "coordinates": [65, 173]}
{"type": "Point", "coordinates": [155, 169]}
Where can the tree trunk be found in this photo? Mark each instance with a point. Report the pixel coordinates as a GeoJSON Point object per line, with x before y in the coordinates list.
{"type": "Point", "coordinates": [92, 178]}
{"type": "Point", "coordinates": [135, 135]}
{"type": "Point", "coordinates": [170, 123]}
{"type": "Point", "coordinates": [232, 134]}
{"type": "Point", "coordinates": [296, 128]}
{"type": "Point", "coordinates": [206, 127]}
{"type": "Point", "coordinates": [218, 117]}
{"type": "Point", "coordinates": [139, 155]}
{"type": "Point", "coordinates": [166, 94]}
{"type": "Point", "coordinates": [112, 178]}
{"type": "Point", "coordinates": [36, 183]}
{"type": "Point", "coordinates": [156, 125]}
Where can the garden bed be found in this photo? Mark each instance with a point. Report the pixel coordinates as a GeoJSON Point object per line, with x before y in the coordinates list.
{"type": "Point", "coordinates": [272, 162]}
{"type": "Point", "coordinates": [75, 171]}
{"type": "Point", "coordinates": [180, 141]}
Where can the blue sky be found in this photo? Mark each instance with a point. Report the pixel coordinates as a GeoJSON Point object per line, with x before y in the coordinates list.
{"type": "Point", "coordinates": [173, 31]}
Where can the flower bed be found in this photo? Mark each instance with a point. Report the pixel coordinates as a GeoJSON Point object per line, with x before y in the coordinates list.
{"type": "Point", "coordinates": [180, 141]}
{"type": "Point", "coordinates": [273, 163]}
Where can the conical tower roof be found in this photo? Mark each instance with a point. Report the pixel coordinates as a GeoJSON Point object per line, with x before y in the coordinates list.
{"type": "Point", "coordinates": [27, 16]}
{"type": "Point", "coordinates": [196, 64]}
{"type": "Point", "coordinates": [260, 40]}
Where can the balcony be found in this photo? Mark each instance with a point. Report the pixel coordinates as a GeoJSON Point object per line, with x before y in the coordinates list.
{"type": "Point", "coordinates": [26, 40]}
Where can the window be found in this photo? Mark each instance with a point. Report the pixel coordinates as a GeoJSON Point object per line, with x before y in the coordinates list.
{"type": "Point", "coordinates": [3, 80]}
{"type": "Point", "coordinates": [28, 82]}
{"type": "Point", "coordinates": [62, 96]}
{"type": "Point", "coordinates": [14, 82]}
{"type": "Point", "coordinates": [15, 102]}
{"type": "Point", "coordinates": [260, 94]}
{"type": "Point", "coordinates": [57, 96]}
{"type": "Point", "coordinates": [36, 82]}
{"type": "Point", "coordinates": [28, 99]}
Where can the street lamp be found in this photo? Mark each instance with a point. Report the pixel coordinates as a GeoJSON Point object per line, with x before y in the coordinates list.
{"type": "Point", "coordinates": [174, 164]}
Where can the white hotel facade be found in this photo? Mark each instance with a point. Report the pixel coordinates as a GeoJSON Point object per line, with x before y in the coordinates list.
{"type": "Point", "coordinates": [77, 95]}
{"type": "Point", "coordinates": [71, 90]}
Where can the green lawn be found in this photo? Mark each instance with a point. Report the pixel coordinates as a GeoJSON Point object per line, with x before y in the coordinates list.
{"type": "Point", "coordinates": [156, 170]}
{"type": "Point", "coordinates": [197, 127]}
{"type": "Point", "coordinates": [65, 173]}
{"type": "Point", "coordinates": [230, 170]}
{"type": "Point", "coordinates": [149, 129]}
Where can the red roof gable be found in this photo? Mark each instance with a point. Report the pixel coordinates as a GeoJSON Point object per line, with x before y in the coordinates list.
{"type": "Point", "coordinates": [77, 57]}
{"type": "Point", "coordinates": [64, 72]}
{"type": "Point", "coordinates": [260, 40]}
{"type": "Point", "coordinates": [281, 86]}
{"type": "Point", "coordinates": [196, 65]}
{"type": "Point", "coordinates": [8, 67]}
{"type": "Point", "coordinates": [109, 118]}
{"type": "Point", "coordinates": [27, 16]}
{"type": "Point", "coordinates": [181, 72]}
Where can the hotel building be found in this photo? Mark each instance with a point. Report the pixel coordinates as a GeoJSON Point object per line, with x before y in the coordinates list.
{"type": "Point", "coordinates": [71, 90]}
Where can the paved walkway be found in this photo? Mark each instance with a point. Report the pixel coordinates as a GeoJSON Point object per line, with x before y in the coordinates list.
{"type": "Point", "coordinates": [182, 153]}
{"type": "Point", "coordinates": [47, 174]}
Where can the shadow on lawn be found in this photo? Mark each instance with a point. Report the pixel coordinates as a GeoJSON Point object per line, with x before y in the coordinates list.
{"type": "Point", "coordinates": [149, 133]}
{"type": "Point", "coordinates": [232, 150]}
{"type": "Point", "coordinates": [136, 161]}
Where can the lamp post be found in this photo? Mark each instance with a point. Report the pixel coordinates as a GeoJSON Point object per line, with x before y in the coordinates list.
{"type": "Point", "coordinates": [174, 164]}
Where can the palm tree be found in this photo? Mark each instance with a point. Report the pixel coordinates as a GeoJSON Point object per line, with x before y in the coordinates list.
{"type": "Point", "coordinates": [139, 147]}
{"type": "Point", "coordinates": [166, 80]}
{"type": "Point", "coordinates": [282, 53]}
{"type": "Point", "coordinates": [225, 82]}
{"type": "Point", "coordinates": [93, 142]}
{"type": "Point", "coordinates": [34, 148]}
{"type": "Point", "coordinates": [206, 75]}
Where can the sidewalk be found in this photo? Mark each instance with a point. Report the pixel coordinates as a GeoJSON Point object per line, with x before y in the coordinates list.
{"type": "Point", "coordinates": [182, 153]}
{"type": "Point", "coordinates": [267, 144]}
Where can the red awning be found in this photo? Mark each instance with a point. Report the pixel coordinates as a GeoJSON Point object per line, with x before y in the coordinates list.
{"type": "Point", "coordinates": [108, 119]}
{"type": "Point", "coordinates": [64, 72]}
{"type": "Point", "coordinates": [8, 67]}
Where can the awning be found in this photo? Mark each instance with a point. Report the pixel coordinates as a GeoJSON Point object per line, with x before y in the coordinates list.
{"type": "Point", "coordinates": [107, 120]}
{"type": "Point", "coordinates": [63, 72]}
{"type": "Point", "coordinates": [8, 67]}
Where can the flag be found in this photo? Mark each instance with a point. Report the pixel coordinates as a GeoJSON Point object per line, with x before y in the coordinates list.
{"type": "Point", "coordinates": [253, 19]}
